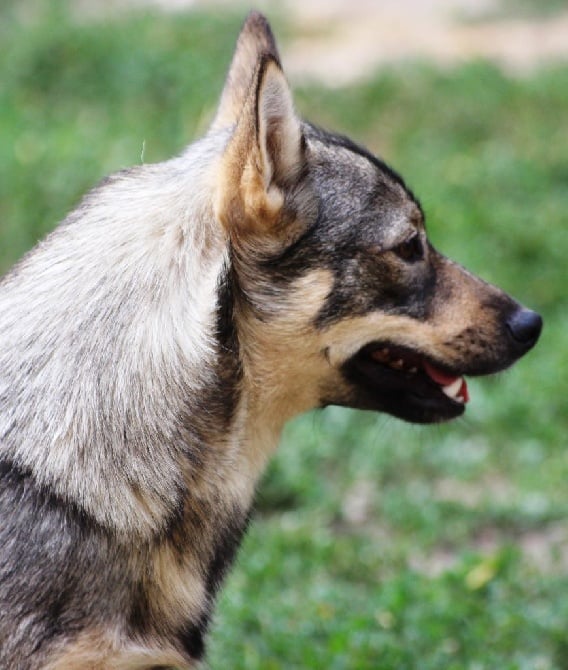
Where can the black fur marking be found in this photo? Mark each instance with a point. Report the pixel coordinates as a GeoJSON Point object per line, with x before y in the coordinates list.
{"type": "Point", "coordinates": [365, 278]}
{"type": "Point", "coordinates": [226, 331]}
{"type": "Point", "coordinates": [225, 396]}
{"type": "Point", "coordinates": [192, 635]}
{"type": "Point", "coordinates": [16, 479]}
{"type": "Point", "coordinates": [225, 549]}
{"type": "Point", "coordinates": [192, 638]}
{"type": "Point", "coordinates": [139, 612]}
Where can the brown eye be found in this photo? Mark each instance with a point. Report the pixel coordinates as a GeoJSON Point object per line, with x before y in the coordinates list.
{"type": "Point", "coordinates": [410, 250]}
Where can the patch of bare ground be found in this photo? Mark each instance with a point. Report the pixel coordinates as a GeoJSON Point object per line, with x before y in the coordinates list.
{"type": "Point", "coordinates": [351, 46]}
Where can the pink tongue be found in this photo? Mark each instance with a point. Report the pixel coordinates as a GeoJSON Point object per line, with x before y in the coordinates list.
{"type": "Point", "coordinates": [438, 376]}
{"type": "Point", "coordinates": [444, 379]}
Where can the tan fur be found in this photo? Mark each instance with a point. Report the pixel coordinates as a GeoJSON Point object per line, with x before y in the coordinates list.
{"type": "Point", "coordinates": [175, 590]}
{"type": "Point", "coordinates": [284, 349]}
{"type": "Point", "coordinates": [101, 650]}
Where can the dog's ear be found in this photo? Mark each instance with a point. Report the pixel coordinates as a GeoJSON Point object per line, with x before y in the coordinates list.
{"type": "Point", "coordinates": [255, 42]}
{"type": "Point", "coordinates": [263, 157]}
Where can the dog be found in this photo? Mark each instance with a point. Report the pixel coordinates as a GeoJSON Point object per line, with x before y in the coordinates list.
{"type": "Point", "coordinates": [154, 344]}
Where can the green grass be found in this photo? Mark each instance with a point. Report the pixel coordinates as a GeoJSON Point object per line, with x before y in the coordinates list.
{"type": "Point", "coordinates": [375, 544]}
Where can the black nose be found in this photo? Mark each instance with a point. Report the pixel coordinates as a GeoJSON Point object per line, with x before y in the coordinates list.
{"type": "Point", "coordinates": [524, 327]}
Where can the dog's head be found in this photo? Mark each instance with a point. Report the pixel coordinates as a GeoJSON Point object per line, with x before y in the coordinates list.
{"type": "Point", "coordinates": [339, 298]}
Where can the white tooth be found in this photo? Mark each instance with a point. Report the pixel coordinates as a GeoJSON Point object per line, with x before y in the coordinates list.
{"type": "Point", "coordinates": [452, 390]}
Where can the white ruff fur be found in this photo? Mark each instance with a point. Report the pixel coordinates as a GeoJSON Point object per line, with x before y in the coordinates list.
{"type": "Point", "coordinates": [149, 233]}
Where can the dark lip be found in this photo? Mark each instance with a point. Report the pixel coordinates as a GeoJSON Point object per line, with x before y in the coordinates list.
{"type": "Point", "coordinates": [413, 397]}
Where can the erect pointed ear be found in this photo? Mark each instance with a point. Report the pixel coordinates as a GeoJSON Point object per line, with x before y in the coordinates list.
{"type": "Point", "coordinates": [255, 42]}
{"type": "Point", "coordinates": [263, 158]}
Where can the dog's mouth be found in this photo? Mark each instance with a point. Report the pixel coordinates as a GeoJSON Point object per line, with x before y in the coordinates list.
{"type": "Point", "coordinates": [406, 383]}
{"type": "Point", "coordinates": [411, 364]}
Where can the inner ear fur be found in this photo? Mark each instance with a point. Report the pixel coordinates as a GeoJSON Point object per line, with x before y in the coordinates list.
{"type": "Point", "coordinates": [263, 157]}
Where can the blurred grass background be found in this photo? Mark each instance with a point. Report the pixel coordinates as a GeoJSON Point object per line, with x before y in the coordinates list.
{"type": "Point", "coordinates": [376, 544]}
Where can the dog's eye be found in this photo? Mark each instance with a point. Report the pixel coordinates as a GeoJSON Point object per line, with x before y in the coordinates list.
{"type": "Point", "coordinates": [410, 250]}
